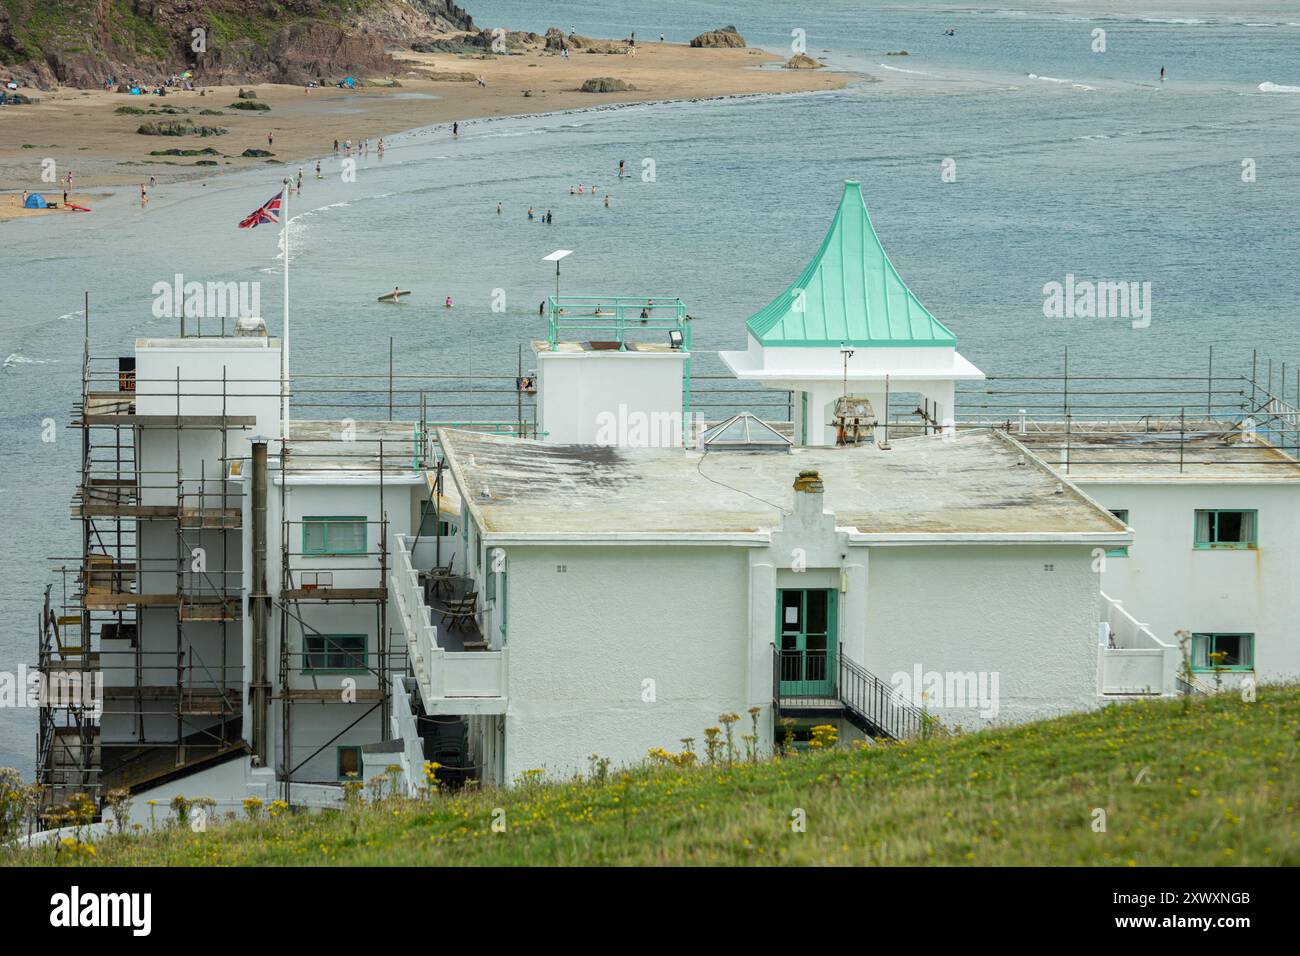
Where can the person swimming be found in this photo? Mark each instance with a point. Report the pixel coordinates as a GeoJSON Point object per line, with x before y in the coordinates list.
{"type": "Point", "coordinates": [581, 190]}
{"type": "Point", "coordinates": [606, 200]}
{"type": "Point", "coordinates": [447, 304]}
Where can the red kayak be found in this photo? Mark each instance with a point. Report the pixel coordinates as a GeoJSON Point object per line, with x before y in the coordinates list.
{"type": "Point", "coordinates": [75, 208]}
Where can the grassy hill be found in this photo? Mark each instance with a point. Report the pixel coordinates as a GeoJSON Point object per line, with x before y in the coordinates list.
{"type": "Point", "coordinates": [83, 42]}
{"type": "Point", "coordinates": [1191, 782]}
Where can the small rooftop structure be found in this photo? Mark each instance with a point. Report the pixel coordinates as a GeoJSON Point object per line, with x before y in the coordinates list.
{"type": "Point", "coordinates": [744, 432]}
{"type": "Point", "coordinates": [972, 486]}
{"type": "Point", "coordinates": [850, 323]}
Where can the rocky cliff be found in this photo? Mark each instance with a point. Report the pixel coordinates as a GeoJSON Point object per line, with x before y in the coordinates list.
{"type": "Point", "coordinates": [85, 42]}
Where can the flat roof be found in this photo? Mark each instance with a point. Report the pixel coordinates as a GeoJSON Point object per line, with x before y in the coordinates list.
{"type": "Point", "coordinates": [977, 483]}
{"type": "Point", "coordinates": [1135, 451]}
{"type": "Point", "coordinates": [319, 447]}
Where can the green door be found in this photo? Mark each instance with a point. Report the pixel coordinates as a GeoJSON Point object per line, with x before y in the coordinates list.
{"type": "Point", "coordinates": [806, 639]}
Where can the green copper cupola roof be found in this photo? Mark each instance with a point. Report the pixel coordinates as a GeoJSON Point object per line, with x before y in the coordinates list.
{"type": "Point", "coordinates": [850, 293]}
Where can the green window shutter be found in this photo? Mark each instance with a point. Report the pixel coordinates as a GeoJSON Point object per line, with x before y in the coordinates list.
{"type": "Point", "coordinates": [1122, 515]}
{"type": "Point", "coordinates": [349, 762]}
{"type": "Point", "coordinates": [1220, 651]}
{"type": "Point", "coordinates": [344, 534]}
{"type": "Point", "coordinates": [334, 653]}
{"type": "Point", "coordinates": [1226, 529]}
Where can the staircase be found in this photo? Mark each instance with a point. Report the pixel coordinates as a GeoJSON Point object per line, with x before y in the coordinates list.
{"type": "Point", "coordinates": [857, 696]}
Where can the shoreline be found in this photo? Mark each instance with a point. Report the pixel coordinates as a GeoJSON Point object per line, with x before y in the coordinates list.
{"type": "Point", "coordinates": [303, 124]}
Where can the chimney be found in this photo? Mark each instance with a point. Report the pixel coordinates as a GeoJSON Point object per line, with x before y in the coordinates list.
{"type": "Point", "coordinates": [808, 490]}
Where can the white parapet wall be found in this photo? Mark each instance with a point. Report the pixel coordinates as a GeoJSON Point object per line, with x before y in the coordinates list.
{"type": "Point", "coordinates": [600, 397]}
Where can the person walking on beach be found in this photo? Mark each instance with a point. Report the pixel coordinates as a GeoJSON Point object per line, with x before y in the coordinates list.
{"type": "Point", "coordinates": [498, 208]}
{"type": "Point", "coordinates": [318, 175]}
{"type": "Point", "coordinates": [548, 217]}
{"type": "Point", "coordinates": [299, 179]}
{"type": "Point", "coordinates": [336, 147]}
{"type": "Point", "coordinates": [1162, 74]}
{"type": "Point", "coordinates": [144, 196]}
{"type": "Point", "coordinates": [620, 169]}
{"type": "Point", "coordinates": [381, 147]}
{"type": "Point", "coordinates": [455, 128]}
{"type": "Point", "coordinates": [152, 182]}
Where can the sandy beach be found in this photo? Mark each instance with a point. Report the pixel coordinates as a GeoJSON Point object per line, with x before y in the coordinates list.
{"type": "Point", "coordinates": [84, 134]}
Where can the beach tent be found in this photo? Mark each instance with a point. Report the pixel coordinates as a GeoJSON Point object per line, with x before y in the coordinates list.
{"type": "Point", "coordinates": [35, 201]}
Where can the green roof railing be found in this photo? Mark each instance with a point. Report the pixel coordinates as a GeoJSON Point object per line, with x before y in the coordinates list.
{"type": "Point", "coordinates": [610, 318]}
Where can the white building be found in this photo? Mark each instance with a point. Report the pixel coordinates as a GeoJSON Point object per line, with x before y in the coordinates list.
{"type": "Point", "coordinates": [1215, 512]}
{"type": "Point", "coordinates": [641, 593]}
{"type": "Point", "coordinates": [279, 606]}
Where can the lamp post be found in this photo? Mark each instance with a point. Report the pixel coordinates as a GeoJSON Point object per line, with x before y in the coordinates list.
{"type": "Point", "coordinates": [555, 257]}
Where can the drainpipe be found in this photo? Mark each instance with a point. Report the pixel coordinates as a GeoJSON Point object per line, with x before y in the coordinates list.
{"type": "Point", "coordinates": [259, 688]}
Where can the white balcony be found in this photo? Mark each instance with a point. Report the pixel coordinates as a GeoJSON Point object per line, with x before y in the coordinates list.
{"type": "Point", "coordinates": [450, 680]}
{"type": "Point", "coordinates": [1131, 660]}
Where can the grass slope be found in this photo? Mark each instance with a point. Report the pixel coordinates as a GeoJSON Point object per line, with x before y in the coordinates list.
{"type": "Point", "coordinates": [1205, 781]}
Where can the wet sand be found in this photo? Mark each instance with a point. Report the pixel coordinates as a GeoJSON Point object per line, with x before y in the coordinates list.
{"type": "Point", "coordinates": [81, 131]}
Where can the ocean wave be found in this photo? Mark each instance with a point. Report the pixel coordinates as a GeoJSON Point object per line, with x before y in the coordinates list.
{"type": "Point", "coordinates": [1277, 88]}
{"type": "Point", "coordinates": [899, 69]}
{"type": "Point", "coordinates": [1054, 79]}
{"type": "Point", "coordinates": [17, 358]}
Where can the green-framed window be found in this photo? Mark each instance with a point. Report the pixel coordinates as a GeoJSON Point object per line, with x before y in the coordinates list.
{"type": "Point", "coordinates": [1224, 529]}
{"type": "Point", "coordinates": [1122, 515]}
{"type": "Point", "coordinates": [1231, 652]}
{"type": "Point", "coordinates": [443, 528]}
{"type": "Point", "coordinates": [334, 534]}
{"type": "Point", "coordinates": [334, 654]}
{"type": "Point", "coordinates": [349, 762]}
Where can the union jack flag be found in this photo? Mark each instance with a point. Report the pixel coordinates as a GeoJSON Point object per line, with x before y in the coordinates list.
{"type": "Point", "coordinates": [269, 211]}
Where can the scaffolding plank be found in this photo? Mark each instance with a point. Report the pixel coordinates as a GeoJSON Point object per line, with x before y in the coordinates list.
{"type": "Point", "coordinates": [172, 421]}
{"type": "Point", "coordinates": [330, 695]}
{"type": "Point", "coordinates": [335, 594]}
{"type": "Point", "coordinates": [111, 602]}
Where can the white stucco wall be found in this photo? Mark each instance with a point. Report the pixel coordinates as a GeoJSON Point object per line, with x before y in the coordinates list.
{"type": "Point", "coordinates": [991, 609]}
{"type": "Point", "coordinates": [1169, 585]}
{"type": "Point", "coordinates": [583, 642]}
{"type": "Point", "coordinates": [577, 392]}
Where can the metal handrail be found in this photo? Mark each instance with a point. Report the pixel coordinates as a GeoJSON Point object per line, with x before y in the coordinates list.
{"type": "Point", "coordinates": [878, 702]}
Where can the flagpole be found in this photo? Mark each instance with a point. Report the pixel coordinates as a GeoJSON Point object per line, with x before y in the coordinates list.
{"type": "Point", "coordinates": [284, 342]}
